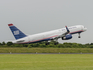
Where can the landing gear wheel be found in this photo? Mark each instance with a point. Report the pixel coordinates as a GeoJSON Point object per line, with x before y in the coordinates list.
{"type": "Point", "coordinates": [79, 37]}
{"type": "Point", "coordinates": [56, 43]}
{"type": "Point", "coordinates": [47, 43]}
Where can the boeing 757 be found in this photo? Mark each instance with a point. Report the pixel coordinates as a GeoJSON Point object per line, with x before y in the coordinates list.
{"type": "Point", "coordinates": [63, 33]}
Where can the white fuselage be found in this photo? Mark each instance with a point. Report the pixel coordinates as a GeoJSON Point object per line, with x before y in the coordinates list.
{"type": "Point", "coordinates": [45, 36]}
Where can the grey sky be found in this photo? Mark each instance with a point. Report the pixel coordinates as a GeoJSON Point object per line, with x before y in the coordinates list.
{"type": "Point", "coordinates": [36, 16]}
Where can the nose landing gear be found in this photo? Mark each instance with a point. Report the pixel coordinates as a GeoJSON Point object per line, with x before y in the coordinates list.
{"type": "Point", "coordinates": [79, 35]}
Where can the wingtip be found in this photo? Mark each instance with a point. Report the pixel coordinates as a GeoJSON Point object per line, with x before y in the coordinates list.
{"type": "Point", "coordinates": [10, 24]}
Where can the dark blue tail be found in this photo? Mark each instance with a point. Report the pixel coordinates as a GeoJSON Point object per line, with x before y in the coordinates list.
{"type": "Point", "coordinates": [16, 32]}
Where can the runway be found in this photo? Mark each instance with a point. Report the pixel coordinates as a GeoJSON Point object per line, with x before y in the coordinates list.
{"type": "Point", "coordinates": [46, 53]}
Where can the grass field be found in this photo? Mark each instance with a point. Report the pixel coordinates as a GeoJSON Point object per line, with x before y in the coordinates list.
{"type": "Point", "coordinates": [46, 50]}
{"type": "Point", "coordinates": [46, 61]}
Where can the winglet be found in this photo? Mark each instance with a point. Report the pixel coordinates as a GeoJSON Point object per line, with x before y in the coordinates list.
{"type": "Point", "coordinates": [67, 29]}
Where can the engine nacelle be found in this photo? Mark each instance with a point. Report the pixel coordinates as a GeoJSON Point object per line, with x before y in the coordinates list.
{"type": "Point", "coordinates": [67, 37]}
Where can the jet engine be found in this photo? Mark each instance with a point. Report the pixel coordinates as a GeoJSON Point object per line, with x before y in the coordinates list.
{"type": "Point", "coordinates": [67, 37]}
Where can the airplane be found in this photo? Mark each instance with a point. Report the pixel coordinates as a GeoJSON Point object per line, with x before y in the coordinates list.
{"type": "Point", "coordinates": [63, 33]}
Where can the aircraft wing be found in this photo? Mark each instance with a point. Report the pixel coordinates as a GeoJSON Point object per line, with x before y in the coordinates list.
{"type": "Point", "coordinates": [64, 34]}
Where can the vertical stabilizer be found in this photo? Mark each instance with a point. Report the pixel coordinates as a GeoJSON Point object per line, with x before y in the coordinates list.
{"type": "Point", "coordinates": [16, 32]}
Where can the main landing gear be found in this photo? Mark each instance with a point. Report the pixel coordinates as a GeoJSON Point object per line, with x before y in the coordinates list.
{"type": "Point", "coordinates": [47, 43]}
{"type": "Point", "coordinates": [55, 42]}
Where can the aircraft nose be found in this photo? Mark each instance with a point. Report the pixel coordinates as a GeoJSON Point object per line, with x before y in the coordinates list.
{"type": "Point", "coordinates": [84, 29]}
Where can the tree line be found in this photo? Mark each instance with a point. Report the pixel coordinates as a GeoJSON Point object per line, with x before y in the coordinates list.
{"type": "Point", "coordinates": [50, 45]}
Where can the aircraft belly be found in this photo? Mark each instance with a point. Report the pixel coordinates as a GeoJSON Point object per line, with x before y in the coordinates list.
{"type": "Point", "coordinates": [44, 37]}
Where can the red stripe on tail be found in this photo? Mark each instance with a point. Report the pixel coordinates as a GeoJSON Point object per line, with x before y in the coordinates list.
{"type": "Point", "coordinates": [10, 24]}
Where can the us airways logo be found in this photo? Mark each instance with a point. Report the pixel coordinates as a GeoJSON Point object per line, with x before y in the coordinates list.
{"type": "Point", "coordinates": [16, 32]}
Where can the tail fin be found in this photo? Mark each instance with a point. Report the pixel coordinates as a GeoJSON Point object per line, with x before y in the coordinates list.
{"type": "Point", "coordinates": [16, 32]}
